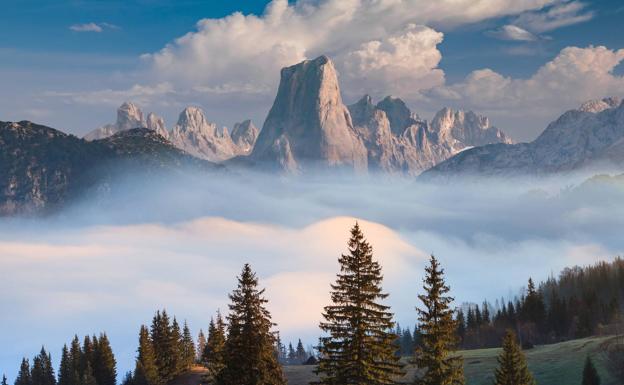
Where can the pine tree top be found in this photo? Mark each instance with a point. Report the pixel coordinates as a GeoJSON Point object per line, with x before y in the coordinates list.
{"type": "Point", "coordinates": [359, 348]}
{"type": "Point", "coordinates": [513, 369]}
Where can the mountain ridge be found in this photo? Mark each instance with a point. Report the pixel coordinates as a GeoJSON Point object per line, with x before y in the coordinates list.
{"type": "Point", "coordinates": [591, 135]}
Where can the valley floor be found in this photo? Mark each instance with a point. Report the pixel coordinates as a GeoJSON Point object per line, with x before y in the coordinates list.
{"type": "Point", "coordinates": [556, 364]}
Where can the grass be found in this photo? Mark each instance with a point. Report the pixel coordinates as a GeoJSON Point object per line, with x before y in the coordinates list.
{"type": "Point", "coordinates": [556, 364]}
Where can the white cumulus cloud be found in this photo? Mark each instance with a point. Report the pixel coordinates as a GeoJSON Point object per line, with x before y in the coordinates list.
{"type": "Point", "coordinates": [384, 42]}
{"type": "Point", "coordinates": [572, 77]}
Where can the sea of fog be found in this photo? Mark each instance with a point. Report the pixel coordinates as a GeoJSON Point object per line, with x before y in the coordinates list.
{"type": "Point", "coordinates": [107, 262]}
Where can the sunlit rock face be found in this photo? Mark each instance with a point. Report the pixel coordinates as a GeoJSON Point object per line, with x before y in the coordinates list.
{"type": "Point", "coordinates": [193, 132]}
{"type": "Point", "coordinates": [399, 141]}
{"type": "Point", "coordinates": [308, 123]}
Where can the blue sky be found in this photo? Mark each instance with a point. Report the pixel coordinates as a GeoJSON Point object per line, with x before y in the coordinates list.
{"type": "Point", "coordinates": [54, 54]}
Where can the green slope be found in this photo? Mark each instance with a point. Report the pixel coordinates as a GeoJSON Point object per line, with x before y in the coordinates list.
{"type": "Point", "coordinates": [556, 364]}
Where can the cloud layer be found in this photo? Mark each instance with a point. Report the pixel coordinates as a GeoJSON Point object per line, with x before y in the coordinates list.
{"type": "Point", "coordinates": [179, 242]}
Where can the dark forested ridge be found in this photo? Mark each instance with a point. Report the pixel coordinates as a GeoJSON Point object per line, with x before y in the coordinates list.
{"type": "Point", "coordinates": [580, 302]}
{"type": "Point", "coordinates": [41, 168]}
{"type": "Point", "coordinates": [360, 342]}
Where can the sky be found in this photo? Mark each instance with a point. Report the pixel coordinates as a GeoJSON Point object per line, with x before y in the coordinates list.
{"type": "Point", "coordinates": [69, 64]}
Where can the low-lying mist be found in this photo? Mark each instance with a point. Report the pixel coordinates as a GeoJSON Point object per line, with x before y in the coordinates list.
{"type": "Point", "coordinates": [107, 262]}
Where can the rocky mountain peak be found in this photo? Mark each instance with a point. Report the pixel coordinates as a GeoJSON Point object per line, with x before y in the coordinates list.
{"type": "Point", "coordinates": [192, 119]}
{"type": "Point", "coordinates": [362, 110]}
{"type": "Point", "coordinates": [308, 121]}
{"type": "Point", "coordinates": [398, 114]}
{"type": "Point", "coordinates": [466, 127]}
{"type": "Point", "coordinates": [157, 124]}
{"type": "Point", "coordinates": [600, 105]}
{"type": "Point", "coordinates": [129, 115]}
{"type": "Point", "coordinates": [244, 135]}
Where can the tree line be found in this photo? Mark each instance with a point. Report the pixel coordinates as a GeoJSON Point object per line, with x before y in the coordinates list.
{"type": "Point", "coordinates": [92, 363]}
{"type": "Point", "coordinates": [581, 302]}
{"type": "Point", "coordinates": [360, 342]}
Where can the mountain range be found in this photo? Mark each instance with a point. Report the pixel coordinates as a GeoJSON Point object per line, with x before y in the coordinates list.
{"type": "Point", "coordinates": [307, 128]}
{"type": "Point", "coordinates": [591, 136]}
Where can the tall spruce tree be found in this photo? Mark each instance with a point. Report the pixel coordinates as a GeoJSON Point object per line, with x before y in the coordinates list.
{"type": "Point", "coordinates": [165, 346]}
{"type": "Point", "coordinates": [23, 377]}
{"type": "Point", "coordinates": [4, 380]}
{"type": "Point", "coordinates": [145, 370]}
{"type": "Point", "coordinates": [590, 374]}
{"type": "Point", "coordinates": [461, 325]}
{"type": "Point", "coordinates": [201, 345]}
{"type": "Point", "coordinates": [249, 348]}
{"type": "Point", "coordinates": [512, 366]}
{"type": "Point", "coordinates": [301, 353]}
{"type": "Point", "coordinates": [65, 369]}
{"type": "Point", "coordinates": [438, 332]}
{"type": "Point", "coordinates": [188, 348]}
{"type": "Point", "coordinates": [178, 347]}
{"type": "Point", "coordinates": [86, 356]}
{"type": "Point", "coordinates": [213, 357]}
{"type": "Point", "coordinates": [360, 345]}
{"type": "Point", "coordinates": [76, 361]}
{"type": "Point", "coordinates": [42, 372]}
{"type": "Point", "coordinates": [292, 355]}
{"type": "Point", "coordinates": [104, 365]}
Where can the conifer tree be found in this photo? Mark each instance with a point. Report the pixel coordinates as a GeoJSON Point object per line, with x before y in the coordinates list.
{"type": "Point", "coordinates": [360, 347]}
{"type": "Point", "coordinates": [461, 324]}
{"type": "Point", "coordinates": [301, 353]}
{"type": "Point", "coordinates": [188, 348]}
{"type": "Point", "coordinates": [486, 313]}
{"type": "Point", "coordinates": [165, 346]}
{"type": "Point", "coordinates": [513, 369]}
{"type": "Point", "coordinates": [292, 356]}
{"type": "Point", "coordinates": [213, 357]}
{"type": "Point", "coordinates": [201, 345]}
{"type": "Point", "coordinates": [590, 374]}
{"type": "Point", "coordinates": [280, 350]}
{"type": "Point", "coordinates": [23, 377]}
{"type": "Point", "coordinates": [249, 348]}
{"type": "Point", "coordinates": [470, 320]}
{"type": "Point", "coordinates": [86, 356]}
{"type": "Point", "coordinates": [104, 366]}
{"type": "Point", "coordinates": [438, 332]}
{"type": "Point", "coordinates": [65, 370]}
{"type": "Point", "coordinates": [76, 361]}
{"type": "Point", "coordinates": [407, 343]}
{"type": "Point", "coordinates": [128, 379]}
{"type": "Point", "coordinates": [42, 372]}
{"type": "Point", "coordinates": [178, 347]}
{"type": "Point", "coordinates": [146, 371]}
{"type": "Point", "coordinates": [4, 380]}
